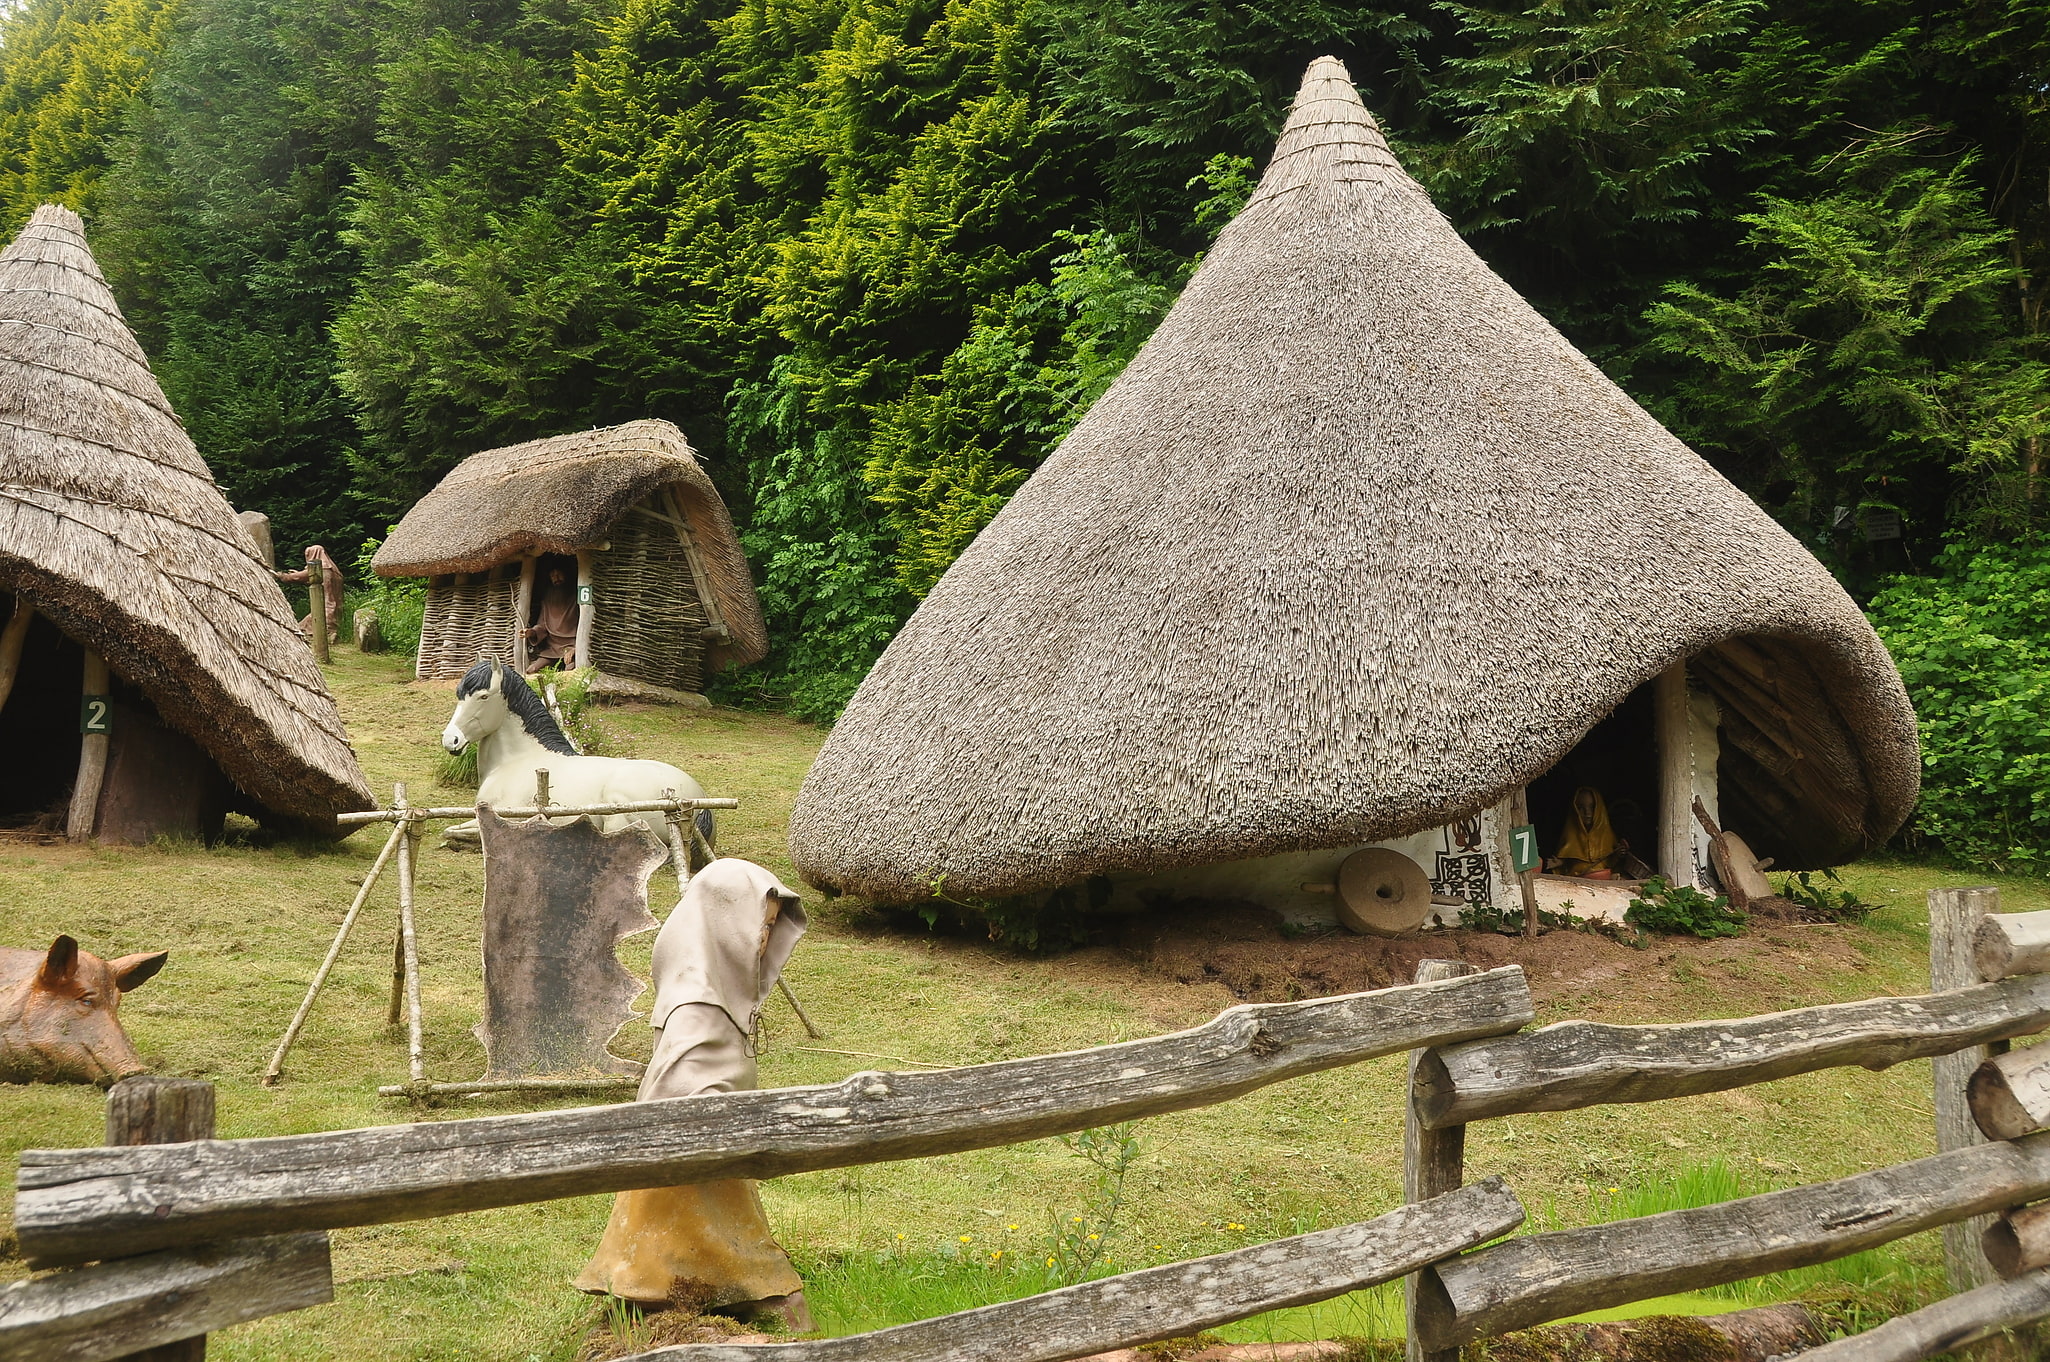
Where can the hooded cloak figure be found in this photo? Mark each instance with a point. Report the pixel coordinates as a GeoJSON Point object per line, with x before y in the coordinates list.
{"type": "Point", "coordinates": [1589, 847]}
{"type": "Point", "coordinates": [708, 1245]}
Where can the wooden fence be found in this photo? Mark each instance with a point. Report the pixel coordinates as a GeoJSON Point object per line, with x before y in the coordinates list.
{"type": "Point", "coordinates": [194, 1235]}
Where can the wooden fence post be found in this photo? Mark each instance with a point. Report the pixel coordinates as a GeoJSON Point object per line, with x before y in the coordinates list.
{"type": "Point", "coordinates": [151, 1110]}
{"type": "Point", "coordinates": [1953, 918]}
{"type": "Point", "coordinates": [316, 590]}
{"type": "Point", "coordinates": [1433, 1163]}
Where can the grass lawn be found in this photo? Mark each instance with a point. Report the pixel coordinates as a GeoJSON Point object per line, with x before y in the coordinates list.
{"type": "Point", "coordinates": [247, 924]}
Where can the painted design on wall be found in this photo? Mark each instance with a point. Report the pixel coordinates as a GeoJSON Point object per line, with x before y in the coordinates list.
{"type": "Point", "coordinates": [1462, 875]}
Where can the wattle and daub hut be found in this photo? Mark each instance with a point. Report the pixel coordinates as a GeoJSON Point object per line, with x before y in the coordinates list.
{"type": "Point", "coordinates": [1358, 551]}
{"type": "Point", "coordinates": [627, 515]}
{"type": "Point", "coordinates": [152, 677]}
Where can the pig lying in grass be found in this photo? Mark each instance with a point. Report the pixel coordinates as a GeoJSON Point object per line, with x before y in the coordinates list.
{"type": "Point", "coordinates": [59, 1019]}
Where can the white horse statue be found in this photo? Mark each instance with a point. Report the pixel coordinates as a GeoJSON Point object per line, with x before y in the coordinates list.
{"type": "Point", "coordinates": [517, 736]}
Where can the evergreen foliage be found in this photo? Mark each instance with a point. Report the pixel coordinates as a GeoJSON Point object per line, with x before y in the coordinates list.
{"type": "Point", "coordinates": [876, 258]}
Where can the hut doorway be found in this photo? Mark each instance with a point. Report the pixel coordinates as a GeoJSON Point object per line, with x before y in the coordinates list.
{"type": "Point", "coordinates": [155, 783]}
{"type": "Point", "coordinates": [1619, 756]}
{"type": "Point", "coordinates": [39, 727]}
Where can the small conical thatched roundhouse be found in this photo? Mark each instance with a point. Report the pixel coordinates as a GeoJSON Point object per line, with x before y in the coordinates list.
{"type": "Point", "coordinates": [625, 514]}
{"type": "Point", "coordinates": [1358, 550]}
{"type": "Point", "coordinates": [151, 674]}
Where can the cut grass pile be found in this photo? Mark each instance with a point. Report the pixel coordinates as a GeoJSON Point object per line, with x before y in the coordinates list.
{"type": "Point", "coordinates": [246, 924]}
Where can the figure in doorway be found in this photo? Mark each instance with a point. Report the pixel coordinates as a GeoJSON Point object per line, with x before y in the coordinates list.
{"type": "Point", "coordinates": [552, 638]}
{"type": "Point", "coordinates": [1589, 847]}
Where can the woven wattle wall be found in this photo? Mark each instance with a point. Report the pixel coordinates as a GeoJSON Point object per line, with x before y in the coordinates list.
{"type": "Point", "coordinates": [649, 624]}
{"type": "Point", "coordinates": [470, 616]}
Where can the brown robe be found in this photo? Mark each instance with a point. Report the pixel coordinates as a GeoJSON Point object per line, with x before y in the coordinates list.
{"type": "Point", "coordinates": [707, 1244]}
{"type": "Point", "coordinates": [554, 633]}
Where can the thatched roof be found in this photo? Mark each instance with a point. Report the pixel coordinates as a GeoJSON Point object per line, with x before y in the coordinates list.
{"type": "Point", "coordinates": [1357, 544]}
{"type": "Point", "coordinates": [561, 494]}
{"type": "Point", "coordinates": [111, 526]}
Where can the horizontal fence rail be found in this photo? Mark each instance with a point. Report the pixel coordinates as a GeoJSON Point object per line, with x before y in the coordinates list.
{"type": "Point", "coordinates": [76, 1204]}
{"type": "Point", "coordinates": [1158, 1303]}
{"type": "Point", "coordinates": [1577, 1064]}
{"type": "Point", "coordinates": [1946, 1326]}
{"type": "Point", "coordinates": [119, 1308]}
{"type": "Point", "coordinates": [1543, 1277]}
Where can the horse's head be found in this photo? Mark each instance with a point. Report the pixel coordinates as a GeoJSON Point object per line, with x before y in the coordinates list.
{"type": "Point", "coordinates": [480, 707]}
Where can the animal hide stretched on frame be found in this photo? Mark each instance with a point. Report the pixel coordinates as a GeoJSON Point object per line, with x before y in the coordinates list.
{"type": "Point", "coordinates": [557, 901]}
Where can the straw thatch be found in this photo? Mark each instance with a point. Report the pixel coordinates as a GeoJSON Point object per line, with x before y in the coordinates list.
{"type": "Point", "coordinates": [563, 494]}
{"type": "Point", "coordinates": [112, 527]}
{"type": "Point", "coordinates": [1356, 545]}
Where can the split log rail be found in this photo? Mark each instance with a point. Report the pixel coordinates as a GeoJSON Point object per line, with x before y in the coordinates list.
{"type": "Point", "coordinates": [166, 1225]}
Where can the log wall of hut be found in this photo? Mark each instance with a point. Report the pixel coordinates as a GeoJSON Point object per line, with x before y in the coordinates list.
{"type": "Point", "coordinates": [469, 615]}
{"type": "Point", "coordinates": [650, 621]}
{"type": "Point", "coordinates": [1792, 780]}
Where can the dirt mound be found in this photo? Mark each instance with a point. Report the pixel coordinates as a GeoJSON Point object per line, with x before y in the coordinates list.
{"type": "Point", "coordinates": [1251, 955]}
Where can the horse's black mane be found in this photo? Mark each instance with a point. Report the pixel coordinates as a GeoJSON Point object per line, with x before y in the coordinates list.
{"type": "Point", "coordinates": [521, 700]}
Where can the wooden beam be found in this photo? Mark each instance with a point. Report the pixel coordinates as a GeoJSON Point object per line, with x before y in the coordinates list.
{"type": "Point", "coordinates": [2009, 1095]}
{"type": "Point", "coordinates": [1676, 775]}
{"type": "Point", "coordinates": [1542, 1277]}
{"type": "Point", "coordinates": [75, 1204]}
{"type": "Point", "coordinates": [11, 640]}
{"type": "Point", "coordinates": [1954, 916]}
{"type": "Point", "coordinates": [1575, 1064]}
{"type": "Point", "coordinates": [92, 757]}
{"type": "Point", "coordinates": [1175, 1301]}
{"type": "Point", "coordinates": [2019, 1241]}
{"type": "Point", "coordinates": [2011, 943]}
{"type": "Point", "coordinates": [161, 1300]}
{"type": "Point", "coordinates": [1947, 1326]}
{"type": "Point", "coordinates": [586, 614]}
{"type": "Point", "coordinates": [438, 813]}
{"type": "Point", "coordinates": [1433, 1161]}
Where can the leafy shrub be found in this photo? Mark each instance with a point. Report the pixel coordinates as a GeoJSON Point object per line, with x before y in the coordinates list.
{"type": "Point", "coordinates": [1836, 904]}
{"type": "Point", "coordinates": [1682, 910]}
{"type": "Point", "coordinates": [1971, 644]}
{"type": "Point", "coordinates": [400, 602]}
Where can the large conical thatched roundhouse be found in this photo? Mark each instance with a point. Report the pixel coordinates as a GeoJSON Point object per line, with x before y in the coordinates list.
{"type": "Point", "coordinates": [1358, 550]}
{"type": "Point", "coordinates": [151, 674]}
{"type": "Point", "coordinates": [626, 515]}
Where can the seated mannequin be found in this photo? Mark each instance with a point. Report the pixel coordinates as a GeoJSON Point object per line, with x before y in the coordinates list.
{"type": "Point", "coordinates": [1589, 848]}
{"type": "Point", "coordinates": [552, 640]}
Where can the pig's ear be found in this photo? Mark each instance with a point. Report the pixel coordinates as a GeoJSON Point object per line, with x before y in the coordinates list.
{"type": "Point", "coordinates": [133, 971]}
{"type": "Point", "coordinates": [59, 963]}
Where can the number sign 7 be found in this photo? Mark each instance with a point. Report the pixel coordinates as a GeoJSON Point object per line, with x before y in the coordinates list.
{"type": "Point", "coordinates": [1523, 848]}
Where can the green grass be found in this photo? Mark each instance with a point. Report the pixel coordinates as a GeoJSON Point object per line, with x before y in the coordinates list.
{"type": "Point", "coordinates": [246, 924]}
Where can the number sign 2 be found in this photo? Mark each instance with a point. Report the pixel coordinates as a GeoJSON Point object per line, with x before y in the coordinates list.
{"type": "Point", "coordinates": [96, 714]}
{"type": "Point", "coordinates": [1523, 848]}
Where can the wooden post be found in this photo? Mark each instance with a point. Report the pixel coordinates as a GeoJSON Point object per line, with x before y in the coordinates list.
{"type": "Point", "coordinates": [152, 1110]}
{"type": "Point", "coordinates": [1433, 1163]}
{"type": "Point", "coordinates": [541, 791]}
{"type": "Point", "coordinates": [398, 978]}
{"type": "Point", "coordinates": [11, 640]}
{"type": "Point", "coordinates": [92, 757]}
{"type": "Point", "coordinates": [523, 609]}
{"type": "Point", "coordinates": [1676, 775]}
{"type": "Point", "coordinates": [409, 848]}
{"type": "Point", "coordinates": [584, 612]}
{"type": "Point", "coordinates": [1953, 919]}
{"type": "Point", "coordinates": [316, 590]}
{"type": "Point", "coordinates": [1519, 814]}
